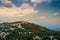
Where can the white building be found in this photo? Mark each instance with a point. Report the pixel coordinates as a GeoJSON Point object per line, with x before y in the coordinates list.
{"type": "Point", "coordinates": [3, 34]}
{"type": "Point", "coordinates": [36, 37]}
{"type": "Point", "coordinates": [18, 25]}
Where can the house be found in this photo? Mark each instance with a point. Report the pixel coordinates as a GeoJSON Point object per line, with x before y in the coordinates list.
{"type": "Point", "coordinates": [36, 37]}
{"type": "Point", "coordinates": [18, 25]}
{"type": "Point", "coordinates": [3, 34]}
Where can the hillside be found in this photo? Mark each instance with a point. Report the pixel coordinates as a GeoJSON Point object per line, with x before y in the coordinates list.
{"type": "Point", "coordinates": [22, 30]}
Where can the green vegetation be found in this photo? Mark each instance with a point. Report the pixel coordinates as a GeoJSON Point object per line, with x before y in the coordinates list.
{"type": "Point", "coordinates": [27, 31]}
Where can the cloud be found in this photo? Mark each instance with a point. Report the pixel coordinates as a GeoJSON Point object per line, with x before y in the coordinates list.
{"type": "Point", "coordinates": [17, 3]}
{"type": "Point", "coordinates": [7, 3]}
{"type": "Point", "coordinates": [24, 10]}
{"type": "Point", "coordinates": [35, 2]}
{"type": "Point", "coordinates": [39, 1]}
{"type": "Point", "coordinates": [55, 14]}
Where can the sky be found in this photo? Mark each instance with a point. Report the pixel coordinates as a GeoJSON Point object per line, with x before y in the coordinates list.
{"type": "Point", "coordinates": [42, 12]}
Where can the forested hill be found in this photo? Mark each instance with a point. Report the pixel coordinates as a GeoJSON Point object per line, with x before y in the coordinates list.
{"type": "Point", "coordinates": [22, 30]}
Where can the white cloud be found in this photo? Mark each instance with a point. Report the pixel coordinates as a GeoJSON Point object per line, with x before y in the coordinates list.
{"type": "Point", "coordinates": [25, 5]}
{"type": "Point", "coordinates": [36, 1]}
{"type": "Point", "coordinates": [55, 14]}
{"type": "Point", "coordinates": [39, 1]}
{"type": "Point", "coordinates": [24, 10]}
{"type": "Point", "coordinates": [7, 2]}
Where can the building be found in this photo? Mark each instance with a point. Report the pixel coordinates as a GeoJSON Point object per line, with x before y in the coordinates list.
{"type": "Point", "coordinates": [36, 37]}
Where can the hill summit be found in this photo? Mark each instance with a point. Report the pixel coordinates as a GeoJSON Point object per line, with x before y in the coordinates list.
{"type": "Point", "coordinates": [22, 30]}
